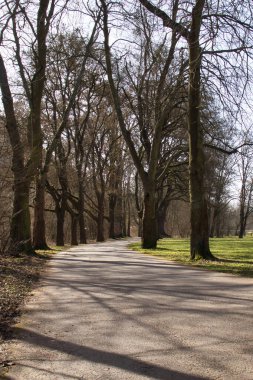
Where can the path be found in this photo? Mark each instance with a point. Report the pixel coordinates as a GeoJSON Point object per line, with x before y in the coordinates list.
{"type": "Point", "coordinates": [103, 312]}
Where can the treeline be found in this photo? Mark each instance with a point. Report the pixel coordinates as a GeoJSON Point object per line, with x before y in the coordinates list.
{"type": "Point", "coordinates": [124, 126]}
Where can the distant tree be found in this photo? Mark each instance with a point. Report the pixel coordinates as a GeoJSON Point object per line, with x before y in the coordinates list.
{"type": "Point", "coordinates": [245, 166]}
{"type": "Point", "coordinates": [218, 179]}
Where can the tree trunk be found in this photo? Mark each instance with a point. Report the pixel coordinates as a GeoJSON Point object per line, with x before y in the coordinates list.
{"type": "Point", "coordinates": [82, 227]}
{"type": "Point", "coordinates": [83, 238]}
{"type": "Point", "coordinates": [112, 205]}
{"type": "Point", "coordinates": [124, 227]}
{"type": "Point", "coordinates": [242, 228]}
{"type": "Point", "coordinates": [140, 228]}
{"type": "Point", "coordinates": [36, 135]}
{"type": "Point", "coordinates": [20, 229]}
{"type": "Point", "coordinates": [241, 233]}
{"type": "Point", "coordinates": [199, 213]}
{"type": "Point", "coordinates": [128, 219]}
{"type": "Point", "coordinates": [100, 227]}
{"type": "Point", "coordinates": [149, 222]}
{"type": "Point", "coordinates": [39, 229]}
{"type": "Point", "coordinates": [140, 217]}
{"type": "Point", "coordinates": [161, 224]}
{"type": "Point", "coordinates": [100, 218]}
{"type": "Point", "coordinates": [60, 215]}
{"type": "Point", "coordinates": [162, 213]}
{"type": "Point", "coordinates": [242, 224]}
{"type": "Point", "coordinates": [119, 217]}
{"type": "Point", "coordinates": [213, 224]}
{"type": "Point", "coordinates": [218, 229]}
{"type": "Point", "coordinates": [74, 221]}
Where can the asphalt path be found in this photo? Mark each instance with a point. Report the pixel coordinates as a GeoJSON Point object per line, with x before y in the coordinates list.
{"type": "Point", "coordinates": [103, 312]}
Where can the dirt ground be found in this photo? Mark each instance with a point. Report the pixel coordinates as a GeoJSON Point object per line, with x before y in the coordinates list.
{"type": "Point", "coordinates": [18, 276]}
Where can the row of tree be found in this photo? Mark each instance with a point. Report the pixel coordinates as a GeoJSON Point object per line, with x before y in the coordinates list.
{"type": "Point", "coordinates": [107, 121]}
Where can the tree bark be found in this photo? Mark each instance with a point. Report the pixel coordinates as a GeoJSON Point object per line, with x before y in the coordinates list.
{"type": "Point", "coordinates": [112, 205]}
{"type": "Point", "coordinates": [82, 226]}
{"type": "Point", "coordinates": [39, 228]}
{"type": "Point", "coordinates": [100, 221]}
{"type": "Point", "coordinates": [149, 222]}
{"type": "Point", "coordinates": [74, 221]}
{"type": "Point", "coordinates": [162, 212]}
{"type": "Point", "coordinates": [241, 232]}
{"type": "Point", "coordinates": [128, 219]}
{"type": "Point", "coordinates": [218, 230]}
{"type": "Point", "coordinates": [83, 238]}
{"type": "Point", "coordinates": [20, 229]}
{"type": "Point", "coordinates": [140, 227]}
{"type": "Point", "coordinates": [60, 215]}
{"type": "Point", "coordinates": [242, 227]}
{"type": "Point", "coordinates": [242, 224]}
{"type": "Point", "coordinates": [213, 223]}
{"type": "Point", "coordinates": [100, 231]}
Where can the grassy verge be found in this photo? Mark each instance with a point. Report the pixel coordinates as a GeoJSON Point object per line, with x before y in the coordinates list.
{"type": "Point", "coordinates": [235, 255]}
{"type": "Point", "coordinates": [18, 276]}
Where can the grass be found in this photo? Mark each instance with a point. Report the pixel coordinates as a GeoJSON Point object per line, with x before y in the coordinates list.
{"type": "Point", "coordinates": [235, 255]}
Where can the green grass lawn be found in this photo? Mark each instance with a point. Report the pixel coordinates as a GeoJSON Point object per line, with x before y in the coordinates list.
{"type": "Point", "coordinates": [235, 255]}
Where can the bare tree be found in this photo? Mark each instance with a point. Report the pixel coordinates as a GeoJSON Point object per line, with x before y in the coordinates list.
{"type": "Point", "coordinates": [245, 166]}
{"type": "Point", "coordinates": [20, 232]}
{"type": "Point", "coordinates": [32, 70]}
{"type": "Point", "coordinates": [205, 24]}
{"type": "Point", "coordinates": [151, 109]}
{"type": "Point", "coordinates": [33, 81]}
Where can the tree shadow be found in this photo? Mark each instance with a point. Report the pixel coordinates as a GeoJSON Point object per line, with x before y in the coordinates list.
{"type": "Point", "coordinates": [112, 359]}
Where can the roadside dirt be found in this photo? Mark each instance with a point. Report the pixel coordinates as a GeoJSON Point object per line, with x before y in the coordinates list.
{"type": "Point", "coordinates": [18, 276]}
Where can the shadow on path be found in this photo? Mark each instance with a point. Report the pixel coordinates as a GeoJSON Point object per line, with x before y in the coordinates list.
{"type": "Point", "coordinates": [113, 359]}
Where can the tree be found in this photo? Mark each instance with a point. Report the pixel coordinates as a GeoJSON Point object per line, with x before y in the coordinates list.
{"type": "Point", "coordinates": [218, 179]}
{"type": "Point", "coordinates": [33, 81]}
{"type": "Point", "coordinates": [66, 53]}
{"type": "Point", "coordinates": [63, 125]}
{"type": "Point", "coordinates": [6, 180]}
{"type": "Point", "coordinates": [246, 191]}
{"type": "Point", "coordinates": [23, 173]}
{"type": "Point", "coordinates": [32, 65]}
{"type": "Point", "coordinates": [20, 233]}
{"type": "Point", "coordinates": [231, 19]}
{"type": "Point", "coordinates": [148, 84]}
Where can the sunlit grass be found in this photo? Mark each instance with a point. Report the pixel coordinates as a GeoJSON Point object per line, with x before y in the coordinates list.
{"type": "Point", "coordinates": [53, 249]}
{"type": "Point", "coordinates": [235, 255]}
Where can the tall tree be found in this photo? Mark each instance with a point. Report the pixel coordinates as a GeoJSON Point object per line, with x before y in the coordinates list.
{"type": "Point", "coordinates": [20, 229]}
{"type": "Point", "coordinates": [33, 81]}
{"type": "Point", "coordinates": [152, 71]}
{"type": "Point", "coordinates": [245, 166]}
{"type": "Point", "coordinates": [199, 17]}
{"type": "Point", "coordinates": [30, 28]}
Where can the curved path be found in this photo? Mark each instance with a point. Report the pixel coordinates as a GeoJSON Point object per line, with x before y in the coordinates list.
{"type": "Point", "coordinates": [103, 312]}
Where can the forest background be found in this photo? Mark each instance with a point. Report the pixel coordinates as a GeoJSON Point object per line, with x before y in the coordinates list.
{"type": "Point", "coordinates": [123, 120]}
